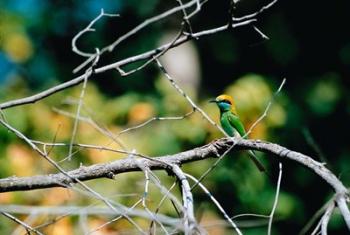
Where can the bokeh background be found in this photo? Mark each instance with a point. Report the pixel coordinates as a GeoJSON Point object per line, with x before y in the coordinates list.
{"type": "Point", "coordinates": [309, 45]}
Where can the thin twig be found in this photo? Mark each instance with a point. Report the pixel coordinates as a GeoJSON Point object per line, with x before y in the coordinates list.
{"type": "Point", "coordinates": [115, 219]}
{"type": "Point", "coordinates": [60, 169]}
{"type": "Point", "coordinates": [88, 210]}
{"type": "Point", "coordinates": [85, 30]}
{"type": "Point", "coordinates": [153, 58]}
{"type": "Point", "coordinates": [76, 121]}
{"type": "Point", "coordinates": [255, 14]}
{"type": "Point", "coordinates": [276, 199]}
{"type": "Point", "coordinates": [194, 106]}
{"type": "Point", "coordinates": [311, 141]}
{"type": "Point", "coordinates": [118, 64]}
{"type": "Point", "coordinates": [155, 119]}
{"type": "Point", "coordinates": [185, 20]}
{"type": "Point", "coordinates": [190, 223]}
{"type": "Point", "coordinates": [103, 130]}
{"type": "Point", "coordinates": [26, 226]}
{"type": "Point", "coordinates": [260, 33]}
{"type": "Point", "coordinates": [165, 196]}
{"type": "Point", "coordinates": [150, 21]}
{"type": "Point", "coordinates": [266, 109]}
{"type": "Point", "coordinates": [214, 165]}
{"type": "Point", "coordinates": [234, 226]}
{"type": "Point", "coordinates": [135, 30]}
{"type": "Point", "coordinates": [316, 229]}
{"type": "Point", "coordinates": [313, 219]}
{"type": "Point", "coordinates": [250, 215]}
{"type": "Point", "coordinates": [326, 217]}
{"type": "Point", "coordinates": [146, 171]}
{"type": "Point", "coordinates": [88, 73]}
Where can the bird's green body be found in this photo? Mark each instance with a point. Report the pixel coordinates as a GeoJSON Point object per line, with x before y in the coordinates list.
{"type": "Point", "coordinates": [231, 123]}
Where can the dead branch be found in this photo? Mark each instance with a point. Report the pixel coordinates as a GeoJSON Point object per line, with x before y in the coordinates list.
{"type": "Point", "coordinates": [207, 151]}
{"type": "Point", "coordinates": [118, 64]}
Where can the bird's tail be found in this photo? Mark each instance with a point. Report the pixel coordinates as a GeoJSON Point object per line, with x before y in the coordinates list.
{"type": "Point", "coordinates": [256, 161]}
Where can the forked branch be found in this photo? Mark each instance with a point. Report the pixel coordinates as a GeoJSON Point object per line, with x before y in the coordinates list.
{"type": "Point", "coordinates": [163, 162]}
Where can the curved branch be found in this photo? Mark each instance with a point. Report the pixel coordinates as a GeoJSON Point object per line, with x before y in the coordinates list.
{"type": "Point", "coordinates": [212, 149]}
{"type": "Point", "coordinates": [207, 151]}
{"type": "Point", "coordinates": [123, 62]}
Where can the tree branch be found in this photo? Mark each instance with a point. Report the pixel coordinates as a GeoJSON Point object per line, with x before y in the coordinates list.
{"type": "Point", "coordinates": [123, 62]}
{"type": "Point", "coordinates": [190, 224]}
{"type": "Point", "coordinates": [207, 151]}
{"type": "Point", "coordinates": [326, 217]}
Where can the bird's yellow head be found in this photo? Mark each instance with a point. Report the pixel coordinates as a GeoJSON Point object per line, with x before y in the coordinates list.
{"type": "Point", "coordinates": [225, 103]}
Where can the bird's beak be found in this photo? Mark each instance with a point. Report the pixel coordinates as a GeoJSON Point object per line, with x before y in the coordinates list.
{"type": "Point", "coordinates": [212, 101]}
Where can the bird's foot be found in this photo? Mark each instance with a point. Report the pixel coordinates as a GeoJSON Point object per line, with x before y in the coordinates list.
{"type": "Point", "coordinates": [219, 147]}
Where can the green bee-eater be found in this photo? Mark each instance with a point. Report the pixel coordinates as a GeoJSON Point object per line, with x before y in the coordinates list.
{"type": "Point", "coordinates": [231, 123]}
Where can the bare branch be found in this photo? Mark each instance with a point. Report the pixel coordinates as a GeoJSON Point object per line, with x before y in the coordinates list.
{"type": "Point", "coordinates": [266, 109]}
{"type": "Point", "coordinates": [146, 171]}
{"type": "Point", "coordinates": [117, 218]}
{"type": "Point", "coordinates": [263, 36]}
{"type": "Point", "coordinates": [136, 30]}
{"type": "Point", "coordinates": [150, 21]}
{"type": "Point", "coordinates": [130, 60]}
{"type": "Point", "coordinates": [342, 201]}
{"type": "Point", "coordinates": [206, 151]}
{"type": "Point", "coordinates": [26, 226]}
{"type": "Point", "coordinates": [155, 119]}
{"type": "Point", "coordinates": [215, 164]}
{"type": "Point", "coordinates": [326, 217]}
{"type": "Point", "coordinates": [234, 226]}
{"type": "Point", "coordinates": [61, 212]}
{"type": "Point", "coordinates": [276, 199]}
{"type": "Point", "coordinates": [165, 196]}
{"type": "Point", "coordinates": [162, 52]}
{"type": "Point", "coordinates": [190, 223]}
{"type": "Point", "coordinates": [87, 210]}
{"type": "Point", "coordinates": [255, 14]}
{"type": "Point", "coordinates": [103, 130]}
{"type": "Point", "coordinates": [88, 29]}
{"type": "Point", "coordinates": [76, 121]}
{"type": "Point", "coordinates": [318, 214]}
{"type": "Point", "coordinates": [311, 141]}
{"type": "Point", "coordinates": [194, 106]}
{"type": "Point", "coordinates": [65, 174]}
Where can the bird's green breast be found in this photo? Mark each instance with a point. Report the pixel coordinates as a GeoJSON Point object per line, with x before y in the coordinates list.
{"type": "Point", "coordinates": [226, 125]}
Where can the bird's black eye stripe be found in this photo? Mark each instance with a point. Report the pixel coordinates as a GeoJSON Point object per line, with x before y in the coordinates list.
{"type": "Point", "coordinates": [226, 101]}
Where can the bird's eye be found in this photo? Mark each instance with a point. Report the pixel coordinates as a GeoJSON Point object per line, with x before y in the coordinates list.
{"type": "Point", "coordinates": [226, 101]}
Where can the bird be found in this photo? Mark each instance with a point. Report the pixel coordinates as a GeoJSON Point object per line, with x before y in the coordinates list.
{"type": "Point", "coordinates": [231, 123]}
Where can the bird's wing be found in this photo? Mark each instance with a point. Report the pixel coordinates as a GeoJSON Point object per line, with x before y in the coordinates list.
{"type": "Point", "coordinates": [237, 124]}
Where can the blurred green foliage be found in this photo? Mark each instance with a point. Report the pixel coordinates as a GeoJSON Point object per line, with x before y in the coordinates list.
{"type": "Point", "coordinates": [313, 54]}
